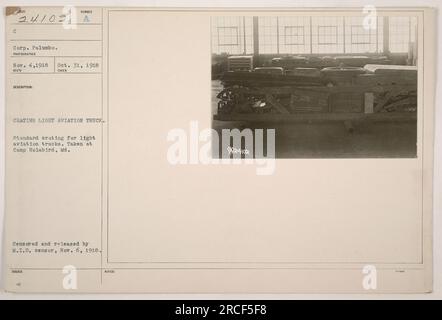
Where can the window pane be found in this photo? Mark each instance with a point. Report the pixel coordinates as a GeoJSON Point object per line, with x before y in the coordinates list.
{"type": "Point", "coordinates": [268, 34]}
{"type": "Point", "coordinates": [360, 38]}
{"type": "Point", "coordinates": [399, 34]}
{"type": "Point", "coordinates": [232, 35]}
{"type": "Point", "coordinates": [294, 35]}
{"type": "Point", "coordinates": [328, 35]}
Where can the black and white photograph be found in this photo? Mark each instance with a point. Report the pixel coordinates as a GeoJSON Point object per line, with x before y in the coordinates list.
{"type": "Point", "coordinates": [330, 86]}
{"type": "Point", "coordinates": [221, 156]}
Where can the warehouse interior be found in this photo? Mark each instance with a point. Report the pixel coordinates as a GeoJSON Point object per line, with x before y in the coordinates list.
{"type": "Point", "coordinates": [330, 86]}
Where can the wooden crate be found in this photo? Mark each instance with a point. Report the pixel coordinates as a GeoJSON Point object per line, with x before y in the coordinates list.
{"type": "Point", "coordinates": [347, 102]}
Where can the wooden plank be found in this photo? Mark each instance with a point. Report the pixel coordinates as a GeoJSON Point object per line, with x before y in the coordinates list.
{"type": "Point", "coordinates": [302, 117]}
{"type": "Point", "coordinates": [383, 102]}
{"type": "Point", "coordinates": [368, 102]}
{"type": "Point", "coordinates": [335, 89]}
{"type": "Point", "coordinates": [408, 100]}
{"type": "Point", "coordinates": [278, 106]}
{"type": "Point", "coordinates": [390, 68]}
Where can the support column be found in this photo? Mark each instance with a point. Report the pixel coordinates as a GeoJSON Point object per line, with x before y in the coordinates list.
{"type": "Point", "coordinates": [386, 33]}
{"type": "Point", "coordinates": [255, 42]}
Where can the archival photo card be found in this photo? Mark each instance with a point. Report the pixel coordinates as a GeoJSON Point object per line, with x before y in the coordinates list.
{"type": "Point", "coordinates": [155, 150]}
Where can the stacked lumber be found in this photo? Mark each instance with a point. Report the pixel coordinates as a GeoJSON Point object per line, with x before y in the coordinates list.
{"type": "Point", "coordinates": [388, 74]}
{"type": "Point", "coordinates": [240, 63]}
{"type": "Point", "coordinates": [352, 61]}
{"type": "Point", "coordinates": [307, 72]}
{"type": "Point", "coordinates": [392, 70]}
{"type": "Point", "coordinates": [341, 75]}
{"type": "Point", "coordinates": [269, 70]}
{"type": "Point", "coordinates": [259, 79]}
{"type": "Point", "coordinates": [292, 62]}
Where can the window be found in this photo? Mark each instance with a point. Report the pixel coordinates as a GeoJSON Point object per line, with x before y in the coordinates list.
{"type": "Point", "coordinates": [402, 32]}
{"type": "Point", "coordinates": [359, 35]}
{"type": "Point", "coordinates": [327, 35]}
{"type": "Point", "coordinates": [268, 35]}
{"type": "Point", "coordinates": [232, 35]}
{"type": "Point", "coordinates": [228, 36]}
{"type": "Point", "coordinates": [311, 35]}
{"type": "Point", "coordinates": [293, 35]}
{"type": "Point", "coordinates": [359, 39]}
